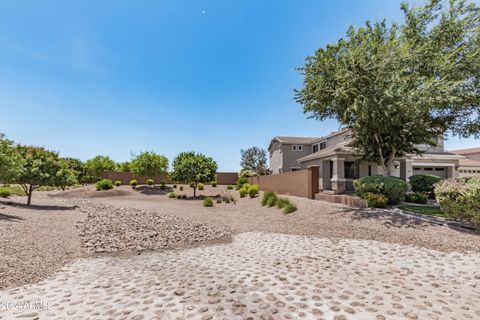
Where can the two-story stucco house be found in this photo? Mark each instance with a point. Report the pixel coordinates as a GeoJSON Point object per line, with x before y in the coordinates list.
{"type": "Point", "coordinates": [470, 165]}
{"type": "Point", "coordinates": [339, 166]}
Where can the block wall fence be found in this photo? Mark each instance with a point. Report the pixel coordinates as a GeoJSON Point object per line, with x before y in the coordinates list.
{"type": "Point", "coordinates": [125, 177]}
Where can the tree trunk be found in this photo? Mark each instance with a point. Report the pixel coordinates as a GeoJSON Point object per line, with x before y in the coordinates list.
{"type": "Point", "coordinates": [195, 191]}
{"type": "Point", "coordinates": [390, 165]}
{"type": "Point", "coordinates": [29, 194]}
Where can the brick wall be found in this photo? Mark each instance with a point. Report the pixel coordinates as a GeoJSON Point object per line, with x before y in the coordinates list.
{"type": "Point", "coordinates": [125, 177]}
{"type": "Point", "coordinates": [302, 183]}
{"type": "Point", "coordinates": [227, 178]}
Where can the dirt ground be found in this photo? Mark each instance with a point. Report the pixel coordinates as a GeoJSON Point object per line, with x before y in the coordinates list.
{"type": "Point", "coordinates": [313, 217]}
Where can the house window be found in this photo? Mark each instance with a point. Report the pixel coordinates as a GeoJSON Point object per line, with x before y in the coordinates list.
{"type": "Point", "coordinates": [351, 170]}
{"type": "Point", "coordinates": [315, 148]}
{"type": "Point", "coordinates": [323, 145]}
{"type": "Point", "coordinates": [297, 147]}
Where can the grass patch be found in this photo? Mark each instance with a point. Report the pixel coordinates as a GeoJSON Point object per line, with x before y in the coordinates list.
{"type": "Point", "coordinates": [425, 210]}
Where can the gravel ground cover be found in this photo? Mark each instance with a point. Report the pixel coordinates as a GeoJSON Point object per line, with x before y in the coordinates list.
{"type": "Point", "coordinates": [110, 229]}
{"type": "Point", "coordinates": [262, 276]}
{"type": "Point", "coordinates": [37, 241]}
{"type": "Point", "coordinates": [313, 217]}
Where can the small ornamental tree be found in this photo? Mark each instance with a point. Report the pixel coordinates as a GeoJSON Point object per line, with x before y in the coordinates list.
{"type": "Point", "coordinates": [94, 167]}
{"type": "Point", "coordinates": [39, 167]}
{"type": "Point", "coordinates": [124, 166]}
{"type": "Point", "coordinates": [10, 162]}
{"type": "Point", "coordinates": [194, 168]}
{"type": "Point", "coordinates": [254, 159]}
{"type": "Point", "coordinates": [149, 164]}
{"type": "Point", "coordinates": [66, 176]}
{"type": "Point", "coordinates": [78, 167]}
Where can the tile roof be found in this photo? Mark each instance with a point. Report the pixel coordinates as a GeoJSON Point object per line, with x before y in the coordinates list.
{"type": "Point", "coordinates": [466, 151]}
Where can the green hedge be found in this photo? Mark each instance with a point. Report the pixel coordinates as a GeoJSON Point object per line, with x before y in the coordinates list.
{"type": "Point", "coordinates": [104, 184]}
{"type": "Point", "coordinates": [391, 187]}
{"type": "Point", "coordinates": [460, 199]}
{"type": "Point", "coordinates": [423, 183]}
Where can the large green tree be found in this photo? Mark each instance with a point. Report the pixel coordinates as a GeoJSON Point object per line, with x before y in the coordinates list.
{"type": "Point", "coordinates": [254, 159]}
{"type": "Point", "coordinates": [39, 167]}
{"type": "Point", "coordinates": [194, 168]}
{"type": "Point", "coordinates": [149, 164]}
{"type": "Point", "coordinates": [94, 167]}
{"type": "Point", "coordinates": [10, 162]}
{"type": "Point", "coordinates": [397, 86]}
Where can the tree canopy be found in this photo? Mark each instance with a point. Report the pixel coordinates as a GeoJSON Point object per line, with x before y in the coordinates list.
{"type": "Point", "coordinates": [397, 86]}
{"type": "Point", "coordinates": [194, 168]}
{"type": "Point", "coordinates": [94, 167]}
{"type": "Point", "coordinates": [149, 164]}
{"type": "Point", "coordinates": [254, 159]}
{"type": "Point", "coordinates": [10, 162]}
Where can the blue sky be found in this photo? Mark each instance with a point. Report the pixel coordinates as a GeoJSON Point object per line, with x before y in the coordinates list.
{"type": "Point", "coordinates": [119, 77]}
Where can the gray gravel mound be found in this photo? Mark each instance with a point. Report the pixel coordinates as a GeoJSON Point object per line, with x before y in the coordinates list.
{"type": "Point", "coordinates": [110, 229]}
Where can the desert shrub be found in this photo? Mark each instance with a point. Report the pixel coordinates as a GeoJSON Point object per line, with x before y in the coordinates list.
{"type": "Point", "coordinates": [229, 187]}
{"type": "Point", "coordinates": [214, 184]}
{"type": "Point", "coordinates": [419, 198]}
{"type": "Point", "coordinates": [200, 186]}
{"type": "Point", "coordinates": [242, 192]}
{"type": "Point", "coordinates": [208, 202]}
{"type": "Point", "coordinates": [184, 196]}
{"type": "Point", "coordinates": [266, 196]}
{"type": "Point", "coordinates": [150, 182]}
{"type": "Point", "coordinates": [162, 184]}
{"type": "Point", "coordinates": [423, 183]}
{"type": "Point", "coordinates": [104, 184]}
{"type": "Point", "coordinates": [289, 208]}
{"type": "Point", "coordinates": [392, 188]}
{"type": "Point", "coordinates": [172, 195]}
{"type": "Point", "coordinates": [460, 199]}
{"type": "Point", "coordinates": [174, 186]}
{"type": "Point", "coordinates": [272, 200]}
{"type": "Point", "coordinates": [219, 200]}
{"type": "Point", "coordinates": [253, 191]}
{"type": "Point", "coordinates": [133, 183]}
{"type": "Point", "coordinates": [241, 181]}
{"type": "Point", "coordinates": [282, 202]}
{"type": "Point", "coordinates": [4, 192]}
{"type": "Point", "coordinates": [181, 188]}
{"type": "Point", "coordinates": [179, 196]}
{"type": "Point", "coordinates": [118, 183]}
{"type": "Point", "coordinates": [376, 200]}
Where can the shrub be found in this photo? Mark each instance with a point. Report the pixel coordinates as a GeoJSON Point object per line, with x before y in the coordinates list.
{"type": "Point", "coordinates": [423, 183]}
{"type": "Point", "coordinates": [376, 200]}
{"type": "Point", "coordinates": [419, 198]}
{"type": "Point", "coordinates": [184, 196]}
{"type": "Point", "coordinates": [253, 191]}
{"type": "Point", "coordinates": [214, 184]}
{"type": "Point", "coordinates": [289, 208]}
{"type": "Point", "coordinates": [242, 192]}
{"type": "Point", "coordinates": [392, 188]}
{"type": "Point", "coordinates": [460, 199]}
{"type": "Point", "coordinates": [104, 184]}
{"type": "Point", "coordinates": [208, 202]}
{"type": "Point", "coordinates": [162, 184]}
{"type": "Point", "coordinates": [4, 192]}
{"type": "Point", "coordinates": [219, 200]}
{"type": "Point", "coordinates": [133, 183]}
{"type": "Point", "coordinates": [241, 181]}
{"type": "Point", "coordinates": [150, 182]}
{"type": "Point", "coordinates": [200, 186]}
{"type": "Point", "coordinates": [282, 202]}
{"type": "Point", "coordinates": [266, 196]}
{"type": "Point", "coordinates": [229, 187]}
{"type": "Point", "coordinates": [181, 188]}
{"type": "Point", "coordinates": [174, 186]}
{"type": "Point", "coordinates": [172, 195]}
{"type": "Point", "coordinates": [272, 200]}
{"type": "Point", "coordinates": [118, 183]}
{"type": "Point", "coordinates": [179, 196]}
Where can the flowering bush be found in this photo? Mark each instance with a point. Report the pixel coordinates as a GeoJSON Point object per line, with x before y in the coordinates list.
{"type": "Point", "coordinates": [460, 199]}
{"type": "Point", "coordinates": [376, 200]}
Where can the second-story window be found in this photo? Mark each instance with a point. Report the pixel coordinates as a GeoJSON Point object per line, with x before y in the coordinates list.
{"type": "Point", "coordinates": [323, 145]}
{"type": "Point", "coordinates": [315, 148]}
{"type": "Point", "coordinates": [297, 147]}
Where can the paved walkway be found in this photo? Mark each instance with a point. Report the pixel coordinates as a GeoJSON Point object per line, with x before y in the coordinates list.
{"type": "Point", "coordinates": [260, 276]}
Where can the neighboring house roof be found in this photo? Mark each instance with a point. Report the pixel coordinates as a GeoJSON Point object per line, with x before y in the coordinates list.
{"type": "Point", "coordinates": [466, 151]}
{"type": "Point", "coordinates": [303, 140]}
{"type": "Point", "coordinates": [343, 147]}
{"type": "Point", "coordinates": [469, 163]}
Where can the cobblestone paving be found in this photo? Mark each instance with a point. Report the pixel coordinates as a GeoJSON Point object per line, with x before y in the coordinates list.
{"type": "Point", "coordinates": [261, 276]}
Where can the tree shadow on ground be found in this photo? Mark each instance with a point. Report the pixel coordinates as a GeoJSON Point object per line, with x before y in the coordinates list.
{"type": "Point", "coordinates": [147, 190]}
{"type": "Point", "coordinates": [8, 217]}
{"type": "Point", "coordinates": [37, 206]}
{"type": "Point", "coordinates": [392, 219]}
